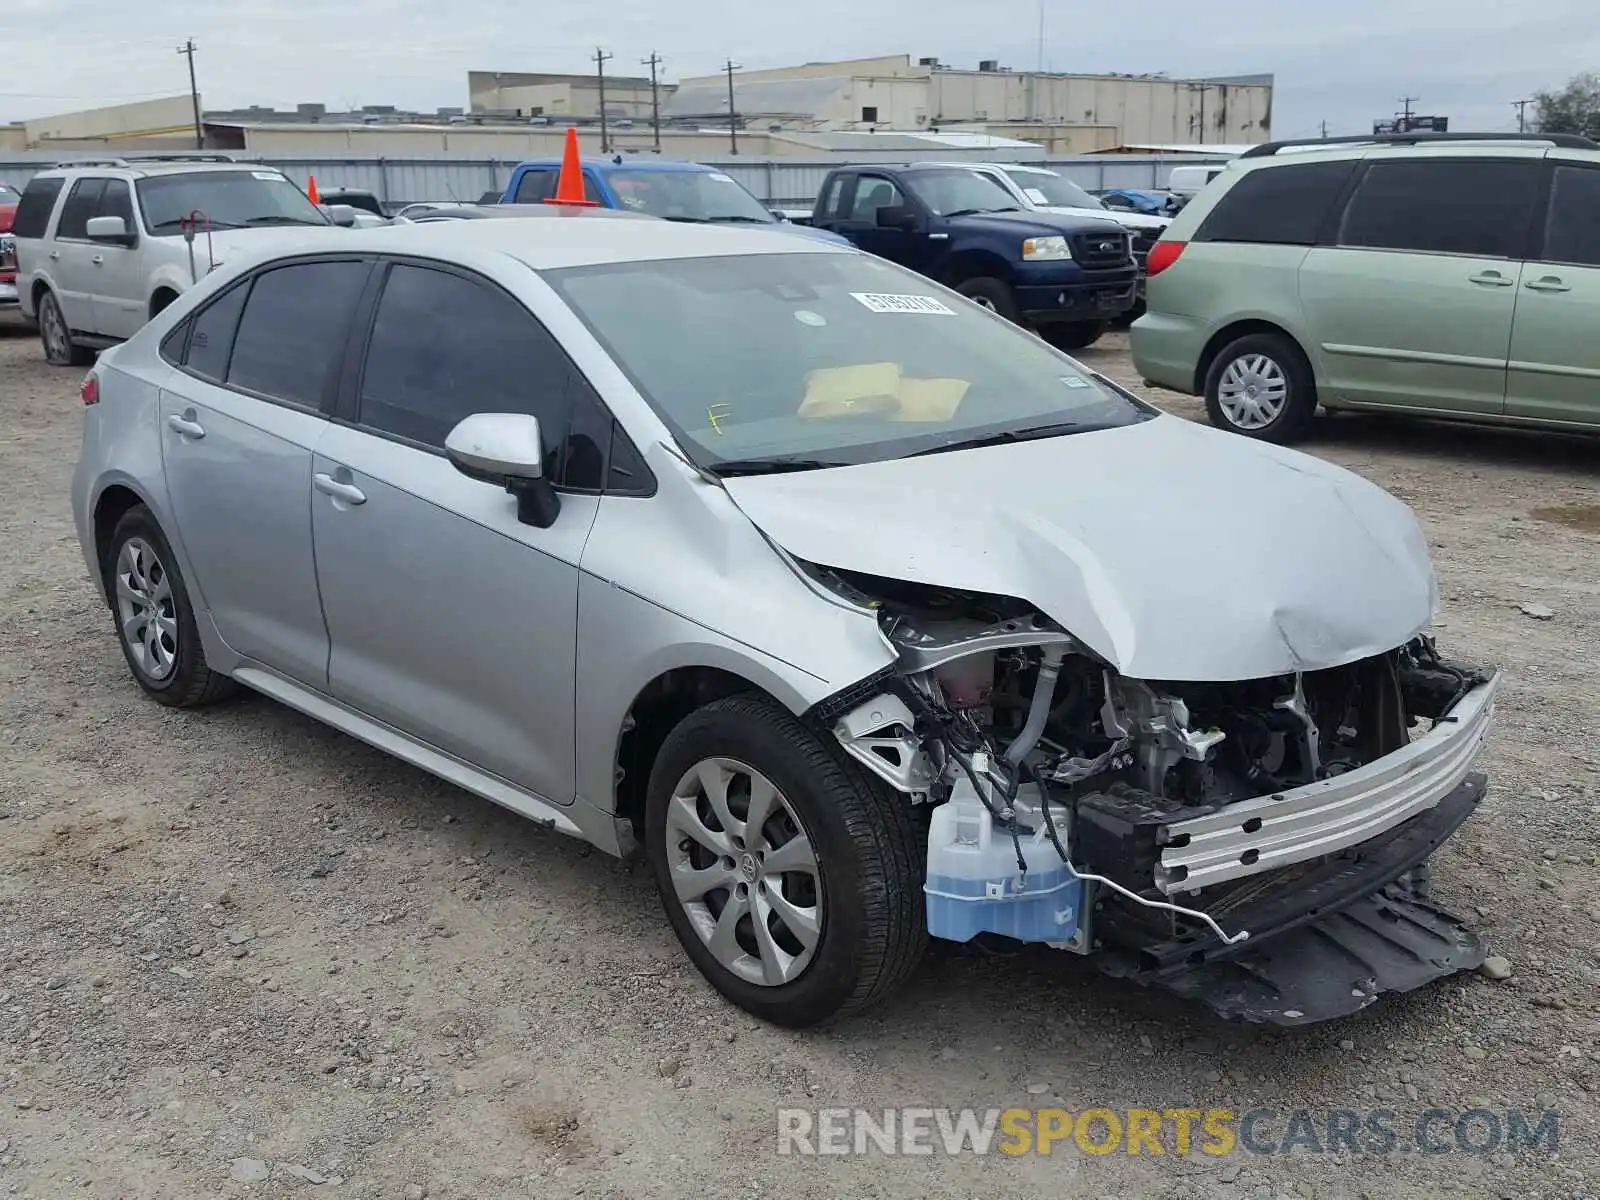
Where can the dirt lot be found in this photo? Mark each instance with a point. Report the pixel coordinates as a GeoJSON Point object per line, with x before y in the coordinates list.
{"type": "Point", "coordinates": [236, 945]}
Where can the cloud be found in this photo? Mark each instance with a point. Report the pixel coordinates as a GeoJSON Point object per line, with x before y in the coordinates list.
{"type": "Point", "coordinates": [1346, 64]}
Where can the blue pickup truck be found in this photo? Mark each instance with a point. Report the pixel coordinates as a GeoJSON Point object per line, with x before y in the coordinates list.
{"type": "Point", "coordinates": [674, 191]}
{"type": "Point", "coordinates": [1066, 277]}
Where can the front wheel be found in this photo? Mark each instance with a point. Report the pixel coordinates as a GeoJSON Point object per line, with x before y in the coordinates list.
{"type": "Point", "coordinates": [1075, 335]}
{"type": "Point", "coordinates": [792, 878]}
{"type": "Point", "coordinates": [59, 348]}
{"type": "Point", "coordinates": [1261, 386]}
{"type": "Point", "coordinates": [990, 293]}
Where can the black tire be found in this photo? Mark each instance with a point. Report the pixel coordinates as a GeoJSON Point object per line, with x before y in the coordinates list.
{"type": "Point", "coordinates": [993, 294]}
{"type": "Point", "coordinates": [189, 683]}
{"type": "Point", "coordinates": [56, 338]}
{"type": "Point", "coordinates": [870, 861]}
{"type": "Point", "coordinates": [1126, 320]}
{"type": "Point", "coordinates": [1074, 335]}
{"type": "Point", "coordinates": [1284, 360]}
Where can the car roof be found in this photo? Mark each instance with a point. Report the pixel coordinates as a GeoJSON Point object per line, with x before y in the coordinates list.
{"type": "Point", "coordinates": [146, 169]}
{"type": "Point", "coordinates": [1016, 168]}
{"type": "Point", "coordinates": [574, 237]}
{"type": "Point", "coordinates": [627, 164]}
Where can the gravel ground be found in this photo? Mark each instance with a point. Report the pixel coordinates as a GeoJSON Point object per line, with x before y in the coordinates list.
{"type": "Point", "coordinates": [241, 954]}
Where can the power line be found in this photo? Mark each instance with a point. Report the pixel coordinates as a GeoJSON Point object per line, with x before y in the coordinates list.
{"type": "Point", "coordinates": [653, 62]}
{"type": "Point", "coordinates": [733, 117]}
{"type": "Point", "coordinates": [187, 49]}
{"type": "Point", "coordinates": [600, 60]}
{"type": "Point", "coordinates": [1522, 114]}
{"type": "Point", "coordinates": [1408, 101]}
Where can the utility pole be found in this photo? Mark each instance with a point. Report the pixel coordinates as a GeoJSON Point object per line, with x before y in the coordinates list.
{"type": "Point", "coordinates": [1522, 114]}
{"type": "Point", "coordinates": [187, 49]}
{"type": "Point", "coordinates": [1324, 131]}
{"type": "Point", "coordinates": [733, 117]}
{"type": "Point", "coordinates": [600, 60]}
{"type": "Point", "coordinates": [653, 62]}
{"type": "Point", "coordinates": [1405, 117]}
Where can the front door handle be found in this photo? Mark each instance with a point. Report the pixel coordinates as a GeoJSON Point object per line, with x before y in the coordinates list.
{"type": "Point", "coordinates": [1550, 283]}
{"type": "Point", "coordinates": [1490, 279]}
{"type": "Point", "coordinates": [99, 260]}
{"type": "Point", "coordinates": [55, 254]}
{"type": "Point", "coordinates": [186, 426]}
{"type": "Point", "coordinates": [329, 486]}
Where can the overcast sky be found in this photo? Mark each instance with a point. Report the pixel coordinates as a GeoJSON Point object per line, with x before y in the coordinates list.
{"type": "Point", "coordinates": [1346, 63]}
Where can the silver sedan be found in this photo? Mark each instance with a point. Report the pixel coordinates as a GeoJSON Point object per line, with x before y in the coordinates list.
{"type": "Point", "coordinates": [863, 614]}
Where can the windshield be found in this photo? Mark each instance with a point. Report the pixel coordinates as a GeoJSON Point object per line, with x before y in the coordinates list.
{"type": "Point", "coordinates": [1048, 188]}
{"type": "Point", "coordinates": [226, 199]}
{"type": "Point", "coordinates": [688, 196]}
{"type": "Point", "coordinates": [826, 359]}
{"type": "Point", "coordinates": [956, 193]}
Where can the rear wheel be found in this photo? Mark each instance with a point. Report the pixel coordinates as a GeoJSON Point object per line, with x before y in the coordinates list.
{"type": "Point", "coordinates": [1074, 335]}
{"type": "Point", "coordinates": [154, 618]}
{"type": "Point", "coordinates": [993, 294]}
{"type": "Point", "coordinates": [59, 348]}
{"type": "Point", "coordinates": [792, 878]}
{"type": "Point", "coordinates": [1261, 386]}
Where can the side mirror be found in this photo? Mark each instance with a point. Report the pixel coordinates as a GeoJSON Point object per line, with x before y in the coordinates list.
{"type": "Point", "coordinates": [779, 216]}
{"type": "Point", "coordinates": [896, 216]}
{"type": "Point", "coordinates": [340, 214]}
{"type": "Point", "coordinates": [108, 229]}
{"type": "Point", "coordinates": [506, 449]}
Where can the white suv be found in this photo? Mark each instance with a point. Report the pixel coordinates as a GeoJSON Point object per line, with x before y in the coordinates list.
{"type": "Point", "coordinates": [104, 245]}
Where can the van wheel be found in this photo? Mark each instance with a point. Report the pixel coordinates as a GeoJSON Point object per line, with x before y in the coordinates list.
{"type": "Point", "coordinates": [59, 348]}
{"type": "Point", "coordinates": [1261, 386]}
{"type": "Point", "coordinates": [993, 294]}
{"type": "Point", "coordinates": [1075, 335]}
{"type": "Point", "coordinates": [791, 877]}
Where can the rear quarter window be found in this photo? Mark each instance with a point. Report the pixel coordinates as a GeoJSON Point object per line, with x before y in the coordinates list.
{"type": "Point", "coordinates": [33, 213]}
{"type": "Point", "coordinates": [1284, 205]}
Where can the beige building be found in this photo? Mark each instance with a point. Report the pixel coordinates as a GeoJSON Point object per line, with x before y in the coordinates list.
{"type": "Point", "coordinates": [147, 122]}
{"type": "Point", "coordinates": [533, 95]}
{"type": "Point", "coordinates": [1069, 113]}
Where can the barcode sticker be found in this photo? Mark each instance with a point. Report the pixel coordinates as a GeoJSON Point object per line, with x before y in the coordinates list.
{"type": "Point", "coordinates": [273, 175]}
{"type": "Point", "coordinates": [883, 302]}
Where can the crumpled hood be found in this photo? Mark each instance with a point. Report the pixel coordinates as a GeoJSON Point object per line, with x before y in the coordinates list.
{"type": "Point", "coordinates": [1175, 551]}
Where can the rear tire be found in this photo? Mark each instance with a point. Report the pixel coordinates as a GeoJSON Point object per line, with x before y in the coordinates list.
{"type": "Point", "coordinates": [855, 893]}
{"type": "Point", "coordinates": [153, 616]}
{"type": "Point", "coordinates": [993, 294]}
{"type": "Point", "coordinates": [1074, 335]}
{"type": "Point", "coordinates": [1261, 386]}
{"type": "Point", "coordinates": [59, 348]}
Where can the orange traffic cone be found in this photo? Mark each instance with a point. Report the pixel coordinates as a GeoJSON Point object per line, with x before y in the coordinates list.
{"type": "Point", "coordinates": [569, 184]}
{"type": "Point", "coordinates": [311, 189]}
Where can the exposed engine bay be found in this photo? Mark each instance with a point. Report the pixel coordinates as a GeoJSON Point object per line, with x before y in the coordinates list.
{"type": "Point", "coordinates": [1162, 823]}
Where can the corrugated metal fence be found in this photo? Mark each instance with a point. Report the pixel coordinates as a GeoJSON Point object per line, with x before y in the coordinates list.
{"type": "Point", "coordinates": [779, 182]}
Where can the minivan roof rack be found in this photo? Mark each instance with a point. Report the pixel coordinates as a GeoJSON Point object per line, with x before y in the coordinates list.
{"type": "Point", "coordinates": [144, 158]}
{"type": "Point", "coordinates": [1566, 141]}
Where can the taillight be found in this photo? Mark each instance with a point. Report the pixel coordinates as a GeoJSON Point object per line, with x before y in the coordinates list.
{"type": "Point", "coordinates": [90, 391]}
{"type": "Point", "coordinates": [1162, 256]}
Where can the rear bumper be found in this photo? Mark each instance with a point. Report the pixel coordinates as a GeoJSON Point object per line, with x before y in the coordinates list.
{"type": "Point", "coordinates": [1331, 815]}
{"type": "Point", "coordinates": [8, 292]}
{"type": "Point", "coordinates": [1166, 350]}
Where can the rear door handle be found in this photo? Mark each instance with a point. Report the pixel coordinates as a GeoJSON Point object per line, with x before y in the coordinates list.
{"type": "Point", "coordinates": [1550, 283]}
{"type": "Point", "coordinates": [186, 426]}
{"type": "Point", "coordinates": [1490, 279]}
{"type": "Point", "coordinates": [55, 254]}
{"type": "Point", "coordinates": [329, 486]}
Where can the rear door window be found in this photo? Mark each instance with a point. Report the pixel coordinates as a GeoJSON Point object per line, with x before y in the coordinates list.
{"type": "Point", "coordinates": [38, 201]}
{"type": "Point", "coordinates": [83, 202]}
{"type": "Point", "coordinates": [1472, 208]}
{"type": "Point", "coordinates": [1285, 205]}
{"type": "Point", "coordinates": [292, 335]}
{"type": "Point", "coordinates": [212, 340]}
{"type": "Point", "coordinates": [116, 200]}
{"type": "Point", "coordinates": [1572, 227]}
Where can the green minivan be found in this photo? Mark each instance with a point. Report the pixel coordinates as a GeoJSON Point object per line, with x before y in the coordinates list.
{"type": "Point", "coordinates": [1443, 275]}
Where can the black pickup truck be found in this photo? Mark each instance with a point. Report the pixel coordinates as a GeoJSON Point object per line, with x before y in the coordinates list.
{"type": "Point", "coordinates": [1066, 277]}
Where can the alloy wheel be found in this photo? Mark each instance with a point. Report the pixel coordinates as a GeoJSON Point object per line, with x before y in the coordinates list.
{"type": "Point", "coordinates": [146, 611]}
{"type": "Point", "coordinates": [1253, 391]}
{"type": "Point", "coordinates": [743, 868]}
{"type": "Point", "coordinates": [53, 329]}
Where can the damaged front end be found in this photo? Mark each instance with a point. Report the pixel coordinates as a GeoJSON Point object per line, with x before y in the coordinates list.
{"type": "Point", "coordinates": [1258, 844]}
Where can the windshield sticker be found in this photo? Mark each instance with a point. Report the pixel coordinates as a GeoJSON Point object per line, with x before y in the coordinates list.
{"type": "Point", "coordinates": [1075, 381]}
{"type": "Point", "coordinates": [269, 175]}
{"type": "Point", "coordinates": [1036, 195]}
{"type": "Point", "coordinates": [720, 177]}
{"type": "Point", "coordinates": [806, 317]}
{"type": "Point", "coordinates": [882, 302]}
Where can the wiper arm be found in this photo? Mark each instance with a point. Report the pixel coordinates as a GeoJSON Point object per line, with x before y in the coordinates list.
{"type": "Point", "coordinates": [964, 212]}
{"type": "Point", "coordinates": [178, 223]}
{"type": "Point", "coordinates": [277, 220]}
{"type": "Point", "coordinates": [1005, 436]}
{"type": "Point", "coordinates": [688, 220]}
{"type": "Point", "coordinates": [739, 219]}
{"type": "Point", "coordinates": [769, 466]}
